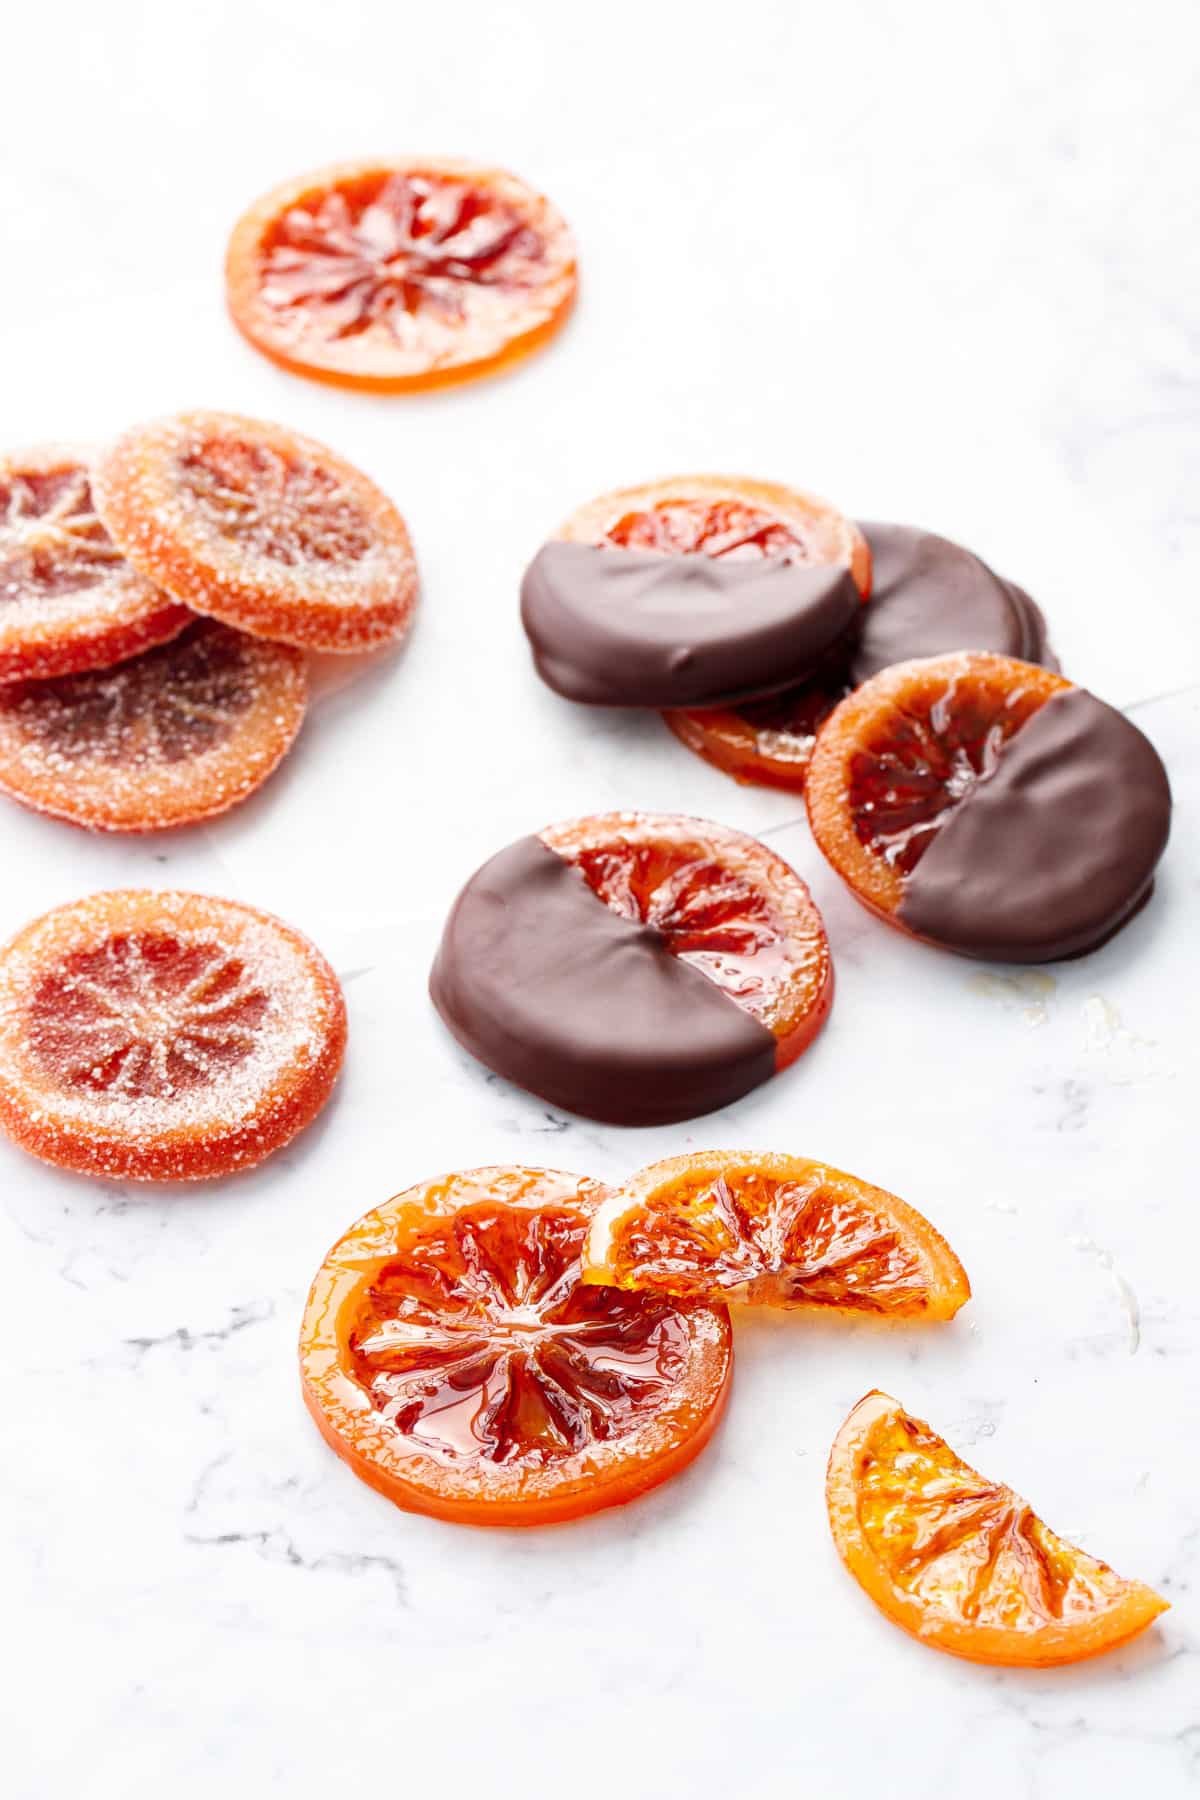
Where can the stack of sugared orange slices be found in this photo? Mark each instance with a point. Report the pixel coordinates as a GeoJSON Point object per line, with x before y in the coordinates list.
{"type": "Point", "coordinates": [514, 1346]}
{"type": "Point", "coordinates": [156, 601]}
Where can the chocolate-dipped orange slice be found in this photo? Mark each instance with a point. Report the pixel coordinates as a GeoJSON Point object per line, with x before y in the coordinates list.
{"type": "Point", "coordinates": [989, 806]}
{"type": "Point", "coordinates": [692, 591]}
{"type": "Point", "coordinates": [637, 968]}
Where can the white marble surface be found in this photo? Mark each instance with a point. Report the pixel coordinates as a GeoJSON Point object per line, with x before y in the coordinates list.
{"type": "Point", "coordinates": [940, 261]}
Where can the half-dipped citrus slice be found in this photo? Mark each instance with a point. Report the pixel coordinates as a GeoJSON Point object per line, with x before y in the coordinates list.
{"type": "Point", "coordinates": [773, 1230]}
{"type": "Point", "coordinates": [451, 1354]}
{"type": "Point", "coordinates": [693, 591]}
{"type": "Point", "coordinates": [170, 737]}
{"type": "Point", "coordinates": [962, 1563]}
{"type": "Point", "coordinates": [400, 274]}
{"type": "Point", "coordinates": [260, 527]}
{"type": "Point", "coordinates": [162, 1036]}
{"type": "Point", "coordinates": [635, 967]}
{"type": "Point", "coordinates": [989, 806]}
{"type": "Point", "coordinates": [68, 598]}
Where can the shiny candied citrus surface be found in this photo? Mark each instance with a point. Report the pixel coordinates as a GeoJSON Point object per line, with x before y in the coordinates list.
{"type": "Point", "coordinates": [712, 913]}
{"type": "Point", "coordinates": [722, 528]}
{"type": "Point", "coordinates": [373, 254]}
{"type": "Point", "coordinates": [172, 703]}
{"type": "Point", "coordinates": [479, 1341]}
{"type": "Point", "coordinates": [145, 1015]}
{"type": "Point", "coordinates": [51, 540]}
{"type": "Point", "coordinates": [777, 1230]}
{"type": "Point", "coordinates": [962, 1561]}
{"type": "Point", "coordinates": [287, 508]}
{"type": "Point", "coordinates": [921, 758]}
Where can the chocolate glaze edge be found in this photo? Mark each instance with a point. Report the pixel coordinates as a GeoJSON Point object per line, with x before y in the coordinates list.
{"type": "Point", "coordinates": [550, 988]}
{"type": "Point", "coordinates": [1054, 852]}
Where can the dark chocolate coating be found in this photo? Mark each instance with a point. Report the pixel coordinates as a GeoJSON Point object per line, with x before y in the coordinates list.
{"type": "Point", "coordinates": [617, 627]}
{"type": "Point", "coordinates": [543, 982]}
{"type": "Point", "coordinates": [1056, 849]}
{"type": "Point", "coordinates": [929, 596]}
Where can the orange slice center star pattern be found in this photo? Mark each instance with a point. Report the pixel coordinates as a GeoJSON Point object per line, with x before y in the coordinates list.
{"type": "Point", "coordinates": [374, 254]}
{"type": "Point", "coordinates": [145, 1016]}
{"type": "Point", "coordinates": [51, 540]}
{"type": "Point", "coordinates": [286, 509]}
{"type": "Point", "coordinates": [479, 1342]}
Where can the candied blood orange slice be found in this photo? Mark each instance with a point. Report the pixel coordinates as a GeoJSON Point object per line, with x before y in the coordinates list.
{"type": "Point", "coordinates": [163, 1036]}
{"type": "Point", "coordinates": [637, 968]}
{"type": "Point", "coordinates": [392, 275]}
{"type": "Point", "coordinates": [773, 1231]}
{"type": "Point", "coordinates": [173, 736]}
{"type": "Point", "coordinates": [451, 1354]}
{"type": "Point", "coordinates": [961, 1562]}
{"type": "Point", "coordinates": [722, 903]}
{"type": "Point", "coordinates": [990, 806]}
{"type": "Point", "coordinates": [260, 527]}
{"type": "Point", "coordinates": [68, 598]}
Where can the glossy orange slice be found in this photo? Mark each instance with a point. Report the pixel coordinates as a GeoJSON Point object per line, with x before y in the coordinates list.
{"type": "Point", "coordinates": [902, 753]}
{"type": "Point", "coordinates": [260, 527]}
{"type": "Point", "coordinates": [961, 1562]}
{"type": "Point", "coordinates": [773, 1230]}
{"type": "Point", "coordinates": [176, 735]}
{"type": "Point", "coordinates": [723, 902]}
{"type": "Point", "coordinates": [452, 1356]}
{"type": "Point", "coordinates": [150, 1036]}
{"type": "Point", "coordinates": [68, 598]}
{"type": "Point", "coordinates": [400, 274]}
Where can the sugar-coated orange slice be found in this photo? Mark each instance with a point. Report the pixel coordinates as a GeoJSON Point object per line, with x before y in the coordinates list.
{"type": "Point", "coordinates": [260, 527]}
{"type": "Point", "coordinates": [723, 903]}
{"type": "Point", "coordinates": [961, 1562]}
{"type": "Point", "coordinates": [773, 1230]}
{"type": "Point", "coordinates": [68, 598]}
{"type": "Point", "coordinates": [170, 737]}
{"type": "Point", "coordinates": [452, 1356]}
{"type": "Point", "coordinates": [400, 274]}
{"type": "Point", "coordinates": [162, 1036]}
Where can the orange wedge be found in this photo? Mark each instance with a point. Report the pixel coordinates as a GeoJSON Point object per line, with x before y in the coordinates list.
{"type": "Point", "coordinates": [961, 1562]}
{"type": "Point", "coordinates": [774, 1231]}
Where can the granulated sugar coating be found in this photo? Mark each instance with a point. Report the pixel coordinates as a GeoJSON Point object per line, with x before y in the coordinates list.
{"type": "Point", "coordinates": [176, 735]}
{"type": "Point", "coordinates": [400, 275]}
{"type": "Point", "coordinates": [164, 1036]}
{"type": "Point", "coordinates": [68, 598]}
{"type": "Point", "coordinates": [262, 528]}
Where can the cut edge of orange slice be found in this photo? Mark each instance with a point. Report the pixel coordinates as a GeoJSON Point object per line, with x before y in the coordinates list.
{"type": "Point", "coordinates": [1128, 1608]}
{"type": "Point", "coordinates": [945, 1286]}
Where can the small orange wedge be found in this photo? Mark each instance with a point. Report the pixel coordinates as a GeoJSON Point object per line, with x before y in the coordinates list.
{"type": "Point", "coordinates": [773, 1230]}
{"type": "Point", "coordinates": [961, 1562]}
